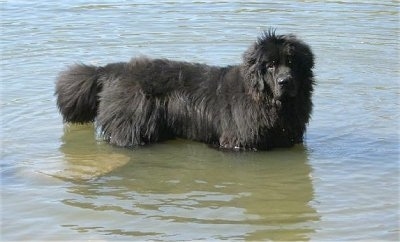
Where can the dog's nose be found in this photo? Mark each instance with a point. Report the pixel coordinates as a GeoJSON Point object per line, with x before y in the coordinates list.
{"type": "Point", "coordinates": [284, 80]}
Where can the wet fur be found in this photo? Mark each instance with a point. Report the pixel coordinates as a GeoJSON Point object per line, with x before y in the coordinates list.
{"type": "Point", "coordinates": [234, 107]}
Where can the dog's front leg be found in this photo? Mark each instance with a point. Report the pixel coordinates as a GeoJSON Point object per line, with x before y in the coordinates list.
{"type": "Point", "coordinates": [229, 141]}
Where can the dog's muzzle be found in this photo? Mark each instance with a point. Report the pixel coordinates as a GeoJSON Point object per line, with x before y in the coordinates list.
{"type": "Point", "coordinates": [285, 80]}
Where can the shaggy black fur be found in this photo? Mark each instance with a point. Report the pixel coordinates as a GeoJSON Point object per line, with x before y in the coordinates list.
{"type": "Point", "coordinates": [263, 103]}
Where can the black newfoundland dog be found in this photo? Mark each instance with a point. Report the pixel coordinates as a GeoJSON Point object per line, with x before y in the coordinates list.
{"type": "Point", "coordinates": [264, 102]}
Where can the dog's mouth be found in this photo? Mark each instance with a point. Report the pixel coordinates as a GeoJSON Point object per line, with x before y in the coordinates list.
{"type": "Point", "coordinates": [284, 93]}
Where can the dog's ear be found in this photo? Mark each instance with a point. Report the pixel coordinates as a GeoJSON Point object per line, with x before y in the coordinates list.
{"type": "Point", "coordinates": [253, 71]}
{"type": "Point", "coordinates": [300, 51]}
{"type": "Point", "coordinates": [303, 51]}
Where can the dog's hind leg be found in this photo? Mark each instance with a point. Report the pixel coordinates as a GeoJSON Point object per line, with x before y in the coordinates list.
{"type": "Point", "coordinates": [130, 120]}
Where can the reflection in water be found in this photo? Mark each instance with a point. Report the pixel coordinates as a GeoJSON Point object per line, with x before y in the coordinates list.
{"type": "Point", "coordinates": [182, 190]}
{"type": "Point", "coordinates": [86, 157]}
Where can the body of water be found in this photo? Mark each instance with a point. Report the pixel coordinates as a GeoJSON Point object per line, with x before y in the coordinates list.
{"type": "Point", "coordinates": [59, 182]}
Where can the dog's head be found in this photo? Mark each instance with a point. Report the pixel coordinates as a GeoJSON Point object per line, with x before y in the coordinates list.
{"type": "Point", "coordinates": [278, 66]}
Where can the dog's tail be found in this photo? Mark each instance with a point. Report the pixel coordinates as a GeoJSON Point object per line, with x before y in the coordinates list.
{"type": "Point", "coordinates": [77, 91]}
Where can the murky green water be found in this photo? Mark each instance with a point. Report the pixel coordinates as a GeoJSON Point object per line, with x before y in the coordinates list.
{"type": "Point", "coordinates": [58, 182]}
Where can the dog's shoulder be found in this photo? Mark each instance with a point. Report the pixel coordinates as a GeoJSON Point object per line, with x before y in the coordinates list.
{"type": "Point", "coordinates": [231, 80]}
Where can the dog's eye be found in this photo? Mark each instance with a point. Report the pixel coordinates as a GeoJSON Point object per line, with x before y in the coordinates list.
{"type": "Point", "coordinates": [271, 65]}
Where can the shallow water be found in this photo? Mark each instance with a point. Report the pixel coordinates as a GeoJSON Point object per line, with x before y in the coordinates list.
{"type": "Point", "coordinates": [61, 183]}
